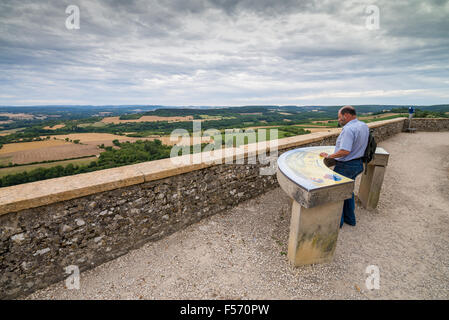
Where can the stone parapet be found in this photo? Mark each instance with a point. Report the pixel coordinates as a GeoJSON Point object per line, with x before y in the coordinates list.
{"type": "Point", "coordinates": [428, 124]}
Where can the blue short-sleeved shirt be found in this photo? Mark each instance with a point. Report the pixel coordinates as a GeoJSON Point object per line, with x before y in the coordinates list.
{"type": "Point", "coordinates": [353, 138]}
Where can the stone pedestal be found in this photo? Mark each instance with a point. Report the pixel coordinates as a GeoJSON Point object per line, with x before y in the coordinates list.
{"type": "Point", "coordinates": [318, 194]}
{"type": "Point", "coordinates": [314, 233]}
{"type": "Point", "coordinates": [371, 182]}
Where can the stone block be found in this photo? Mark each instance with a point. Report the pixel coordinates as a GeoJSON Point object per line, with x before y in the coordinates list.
{"type": "Point", "coordinates": [313, 233]}
{"type": "Point", "coordinates": [370, 186]}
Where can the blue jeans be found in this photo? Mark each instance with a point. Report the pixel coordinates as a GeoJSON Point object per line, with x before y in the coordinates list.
{"type": "Point", "coordinates": [350, 169]}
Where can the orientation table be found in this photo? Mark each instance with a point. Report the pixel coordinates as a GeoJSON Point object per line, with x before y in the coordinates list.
{"type": "Point", "coordinates": [318, 194]}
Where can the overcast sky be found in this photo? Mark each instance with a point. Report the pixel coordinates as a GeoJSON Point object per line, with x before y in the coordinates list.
{"type": "Point", "coordinates": [224, 52]}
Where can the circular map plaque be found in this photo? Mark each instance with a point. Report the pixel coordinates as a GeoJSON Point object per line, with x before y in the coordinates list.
{"type": "Point", "coordinates": [305, 167]}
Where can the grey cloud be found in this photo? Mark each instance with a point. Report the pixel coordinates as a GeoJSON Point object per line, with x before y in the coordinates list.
{"type": "Point", "coordinates": [121, 44]}
{"type": "Point", "coordinates": [267, 7]}
{"type": "Point", "coordinates": [415, 19]}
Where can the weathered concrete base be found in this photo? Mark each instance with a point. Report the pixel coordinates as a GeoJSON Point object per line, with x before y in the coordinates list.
{"type": "Point", "coordinates": [370, 186]}
{"type": "Point", "coordinates": [314, 233]}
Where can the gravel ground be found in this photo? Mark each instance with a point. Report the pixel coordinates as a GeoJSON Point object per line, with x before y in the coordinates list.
{"type": "Point", "coordinates": [241, 253]}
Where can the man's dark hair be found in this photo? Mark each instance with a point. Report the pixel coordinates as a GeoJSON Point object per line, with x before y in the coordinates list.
{"type": "Point", "coordinates": [348, 109]}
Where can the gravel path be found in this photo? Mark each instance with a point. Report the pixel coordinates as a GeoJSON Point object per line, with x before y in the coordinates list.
{"type": "Point", "coordinates": [241, 254]}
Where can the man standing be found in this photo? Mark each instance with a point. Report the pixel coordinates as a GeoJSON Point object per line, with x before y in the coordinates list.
{"type": "Point", "coordinates": [348, 153]}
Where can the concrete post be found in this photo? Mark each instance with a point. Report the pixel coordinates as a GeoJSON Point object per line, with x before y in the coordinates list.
{"type": "Point", "coordinates": [314, 233]}
{"type": "Point", "coordinates": [371, 182]}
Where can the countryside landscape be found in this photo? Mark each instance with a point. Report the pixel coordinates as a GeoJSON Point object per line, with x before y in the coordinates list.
{"type": "Point", "coordinates": [255, 154]}
{"type": "Point", "coordinates": [45, 142]}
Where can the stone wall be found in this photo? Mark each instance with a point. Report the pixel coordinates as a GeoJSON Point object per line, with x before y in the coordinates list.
{"type": "Point", "coordinates": [428, 124]}
{"type": "Point", "coordinates": [88, 219]}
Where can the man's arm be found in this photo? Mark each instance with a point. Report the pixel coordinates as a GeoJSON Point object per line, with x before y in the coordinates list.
{"type": "Point", "coordinates": [347, 139]}
{"type": "Point", "coordinates": [339, 154]}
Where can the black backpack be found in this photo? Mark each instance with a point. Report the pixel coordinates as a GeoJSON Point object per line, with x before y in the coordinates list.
{"type": "Point", "coordinates": [370, 149]}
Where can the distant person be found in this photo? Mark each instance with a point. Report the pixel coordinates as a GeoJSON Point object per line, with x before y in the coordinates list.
{"type": "Point", "coordinates": [411, 111]}
{"type": "Point", "coordinates": [348, 153]}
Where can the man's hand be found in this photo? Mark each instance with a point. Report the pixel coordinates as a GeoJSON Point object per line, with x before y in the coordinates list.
{"type": "Point", "coordinates": [340, 153]}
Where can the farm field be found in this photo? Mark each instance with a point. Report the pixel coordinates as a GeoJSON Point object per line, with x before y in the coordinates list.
{"type": "Point", "coordinates": [25, 146]}
{"type": "Point", "coordinates": [205, 117]}
{"type": "Point", "coordinates": [315, 129]}
{"type": "Point", "coordinates": [116, 120]}
{"type": "Point", "coordinates": [48, 153]}
{"type": "Point", "coordinates": [58, 126]}
{"type": "Point", "coordinates": [322, 121]}
{"type": "Point", "coordinates": [12, 170]}
{"type": "Point", "coordinates": [181, 141]}
{"type": "Point", "coordinates": [93, 138]}
{"type": "Point", "coordinates": [6, 132]}
{"type": "Point", "coordinates": [378, 116]}
{"type": "Point", "coordinates": [372, 117]}
{"type": "Point", "coordinates": [245, 136]}
{"type": "Point", "coordinates": [59, 149]}
{"type": "Point", "coordinates": [47, 150]}
{"type": "Point", "coordinates": [96, 139]}
{"type": "Point", "coordinates": [311, 128]}
{"type": "Point", "coordinates": [95, 124]}
{"type": "Point", "coordinates": [10, 115]}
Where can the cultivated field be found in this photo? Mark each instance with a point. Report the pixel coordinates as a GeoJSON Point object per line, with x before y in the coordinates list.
{"type": "Point", "coordinates": [59, 149]}
{"type": "Point", "coordinates": [311, 128]}
{"type": "Point", "coordinates": [205, 117]}
{"type": "Point", "coordinates": [58, 126]}
{"type": "Point", "coordinates": [6, 132]}
{"type": "Point", "coordinates": [26, 146]}
{"type": "Point", "coordinates": [322, 129]}
{"type": "Point", "coordinates": [38, 152]}
{"type": "Point", "coordinates": [96, 139]}
{"type": "Point", "coordinates": [95, 124]}
{"type": "Point", "coordinates": [22, 116]}
{"type": "Point", "coordinates": [12, 170]}
{"type": "Point", "coordinates": [91, 138]}
{"type": "Point", "coordinates": [181, 141]}
{"type": "Point", "coordinates": [378, 116]}
{"type": "Point", "coordinates": [322, 121]}
{"type": "Point", "coordinates": [116, 120]}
